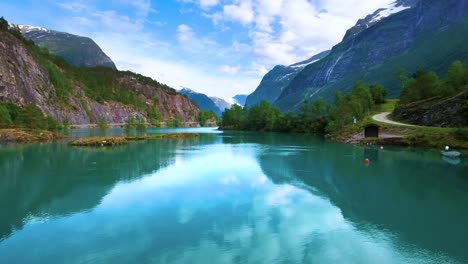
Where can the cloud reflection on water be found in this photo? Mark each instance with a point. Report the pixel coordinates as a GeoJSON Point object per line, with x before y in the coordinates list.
{"type": "Point", "coordinates": [213, 205]}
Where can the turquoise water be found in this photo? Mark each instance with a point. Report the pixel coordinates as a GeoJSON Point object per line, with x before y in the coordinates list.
{"type": "Point", "coordinates": [231, 198]}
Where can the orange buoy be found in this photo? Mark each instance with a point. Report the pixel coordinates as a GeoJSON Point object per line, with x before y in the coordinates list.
{"type": "Point", "coordinates": [366, 161]}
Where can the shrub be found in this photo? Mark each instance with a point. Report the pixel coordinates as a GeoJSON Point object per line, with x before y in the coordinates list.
{"type": "Point", "coordinates": [102, 123]}
{"type": "Point", "coordinates": [5, 118]}
{"type": "Point", "coordinates": [461, 133]}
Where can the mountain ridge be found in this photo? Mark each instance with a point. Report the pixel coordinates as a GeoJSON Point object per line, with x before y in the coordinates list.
{"type": "Point", "coordinates": [412, 38]}
{"type": "Point", "coordinates": [203, 101]}
{"type": "Point", "coordinates": [77, 50]}
{"type": "Point", "coordinates": [240, 99]}
{"type": "Point", "coordinates": [83, 95]}
{"type": "Point", "coordinates": [278, 78]}
{"type": "Point", "coordinates": [220, 103]}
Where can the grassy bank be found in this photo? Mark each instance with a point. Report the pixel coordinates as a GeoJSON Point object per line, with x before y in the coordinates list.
{"type": "Point", "coordinates": [434, 137]}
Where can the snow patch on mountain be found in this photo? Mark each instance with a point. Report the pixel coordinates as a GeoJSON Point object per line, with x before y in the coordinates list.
{"type": "Point", "coordinates": [302, 65]}
{"type": "Point", "coordinates": [28, 28]}
{"type": "Point", "coordinates": [385, 12]}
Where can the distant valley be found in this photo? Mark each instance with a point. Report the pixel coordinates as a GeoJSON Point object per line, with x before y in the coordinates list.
{"type": "Point", "coordinates": [212, 103]}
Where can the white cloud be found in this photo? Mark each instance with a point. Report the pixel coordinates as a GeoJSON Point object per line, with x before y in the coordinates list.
{"type": "Point", "coordinates": [124, 40]}
{"type": "Point", "coordinates": [204, 4]}
{"type": "Point", "coordinates": [208, 3]}
{"type": "Point", "coordinates": [72, 6]}
{"type": "Point", "coordinates": [241, 12]}
{"type": "Point", "coordinates": [184, 33]}
{"type": "Point", "coordinates": [143, 7]}
{"type": "Point", "coordinates": [258, 70]}
{"type": "Point", "coordinates": [230, 70]}
{"type": "Point", "coordinates": [284, 32]}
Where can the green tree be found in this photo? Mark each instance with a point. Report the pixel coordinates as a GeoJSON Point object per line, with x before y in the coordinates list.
{"type": "Point", "coordinates": [13, 110]}
{"type": "Point", "coordinates": [378, 93]}
{"type": "Point", "coordinates": [31, 117]}
{"type": "Point", "coordinates": [3, 24]}
{"type": "Point", "coordinates": [234, 118]}
{"type": "Point", "coordinates": [155, 117]}
{"type": "Point", "coordinates": [131, 123]}
{"type": "Point", "coordinates": [59, 80]}
{"type": "Point", "coordinates": [5, 118]}
{"type": "Point", "coordinates": [457, 79]}
{"type": "Point", "coordinates": [140, 125]}
{"type": "Point", "coordinates": [177, 121]}
{"type": "Point", "coordinates": [205, 115]}
{"type": "Point", "coordinates": [318, 107]}
{"type": "Point", "coordinates": [423, 85]}
{"type": "Point", "coordinates": [287, 122]}
{"type": "Point", "coordinates": [305, 110]}
{"type": "Point", "coordinates": [102, 123]}
{"type": "Point", "coordinates": [52, 123]}
{"type": "Point", "coordinates": [361, 99]}
{"type": "Point", "coordinates": [66, 124]}
{"type": "Point", "coordinates": [341, 114]}
{"type": "Point", "coordinates": [262, 116]}
{"type": "Point", "coordinates": [402, 78]}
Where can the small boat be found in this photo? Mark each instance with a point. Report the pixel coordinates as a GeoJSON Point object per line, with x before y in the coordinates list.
{"type": "Point", "coordinates": [451, 154]}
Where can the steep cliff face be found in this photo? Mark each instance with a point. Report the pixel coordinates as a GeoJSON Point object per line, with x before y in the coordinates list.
{"type": "Point", "coordinates": [23, 80]}
{"type": "Point", "coordinates": [279, 78]}
{"type": "Point", "coordinates": [168, 102]}
{"type": "Point", "coordinates": [76, 50]}
{"type": "Point", "coordinates": [410, 35]}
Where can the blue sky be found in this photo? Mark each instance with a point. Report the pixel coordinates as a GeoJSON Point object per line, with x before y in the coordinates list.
{"type": "Point", "coordinates": [218, 47]}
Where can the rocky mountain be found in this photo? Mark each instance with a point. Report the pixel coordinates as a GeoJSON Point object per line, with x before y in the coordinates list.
{"type": "Point", "coordinates": [240, 99]}
{"type": "Point", "coordinates": [202, 100]}
{"type": "Point", "coordinates": [410, 34]}
{"type": "Point", "coordinates": [220, 103]}
{"type": "Point", "coordinates": [76, 50]}
{"type": "Point", "coordinates": [279, 78]}
{"type": "Point", "coordinates": [83, 95]}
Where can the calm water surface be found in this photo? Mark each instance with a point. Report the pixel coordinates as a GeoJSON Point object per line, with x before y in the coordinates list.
{"type": "Point", "coordinates": [231, 198]}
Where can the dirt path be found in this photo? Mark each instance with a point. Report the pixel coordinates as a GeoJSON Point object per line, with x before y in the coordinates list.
{"type": "Point", "coordinates": [383, 117]}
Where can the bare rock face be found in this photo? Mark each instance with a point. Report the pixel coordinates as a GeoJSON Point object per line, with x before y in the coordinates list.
{"type": "Point", "coordinates": [170, 103]}
{"type": "Point", "coordinates": [23, 81]}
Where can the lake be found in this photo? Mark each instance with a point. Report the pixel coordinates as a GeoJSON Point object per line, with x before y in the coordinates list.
{"type": "Point", "coordinates": [232, 197]}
